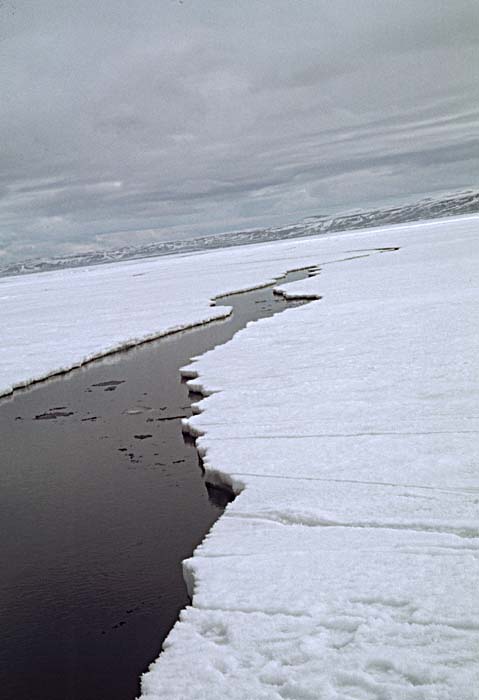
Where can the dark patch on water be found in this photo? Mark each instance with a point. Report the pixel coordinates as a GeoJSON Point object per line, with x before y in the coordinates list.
{"type": "Point", "coordinates": [112, 383]}
{"type": "Point", "coordinates": [160, 420]}
{"type": "Point", "coordinates": [53, 415]}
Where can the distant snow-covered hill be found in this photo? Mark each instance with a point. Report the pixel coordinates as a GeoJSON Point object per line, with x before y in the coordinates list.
{"type": "Point", "coordinates": [455, 204]}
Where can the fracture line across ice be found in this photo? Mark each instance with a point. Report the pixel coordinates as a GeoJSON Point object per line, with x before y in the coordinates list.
{"type": "Point", "coordinates": [347, 566]}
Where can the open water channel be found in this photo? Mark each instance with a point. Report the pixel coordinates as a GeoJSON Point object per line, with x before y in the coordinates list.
{"type": "Point", "coordinates": [102, 497]}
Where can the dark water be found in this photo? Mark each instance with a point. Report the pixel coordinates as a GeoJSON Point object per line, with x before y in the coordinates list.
{"type": "Point", "coordinates": [101, 500]}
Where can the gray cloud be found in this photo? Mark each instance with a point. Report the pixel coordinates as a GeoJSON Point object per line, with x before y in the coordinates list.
{"type": "Point", "coordinates": [121, 122]}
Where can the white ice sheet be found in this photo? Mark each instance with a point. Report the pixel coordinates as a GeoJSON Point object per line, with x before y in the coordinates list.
{"type": "Point", "coordinates": [347, 566]}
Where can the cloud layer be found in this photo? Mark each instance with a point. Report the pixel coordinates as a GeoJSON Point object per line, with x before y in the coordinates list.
{"type": "Point", "coordinates": [126, 122]}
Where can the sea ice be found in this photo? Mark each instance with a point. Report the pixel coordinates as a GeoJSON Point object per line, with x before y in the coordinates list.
{"type": "Point", "coordinates": [347, 566]}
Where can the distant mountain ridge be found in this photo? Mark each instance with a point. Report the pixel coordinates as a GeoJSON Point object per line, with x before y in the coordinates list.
{"type": "Point", "coordinates": [455, 204]}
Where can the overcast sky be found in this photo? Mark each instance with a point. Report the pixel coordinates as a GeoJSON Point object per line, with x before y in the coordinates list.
{"type": "Point", "coordinates": [123, 122]}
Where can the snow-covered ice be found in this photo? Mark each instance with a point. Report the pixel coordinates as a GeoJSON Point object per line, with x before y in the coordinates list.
{"type": "Point", "coordinates": [54, 321]}
{"type": "Point", "coordinates": [347, 566]}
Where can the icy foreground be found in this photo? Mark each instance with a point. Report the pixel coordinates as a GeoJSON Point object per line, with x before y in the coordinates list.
{"type": "Point", "coordinates": [348, 566]}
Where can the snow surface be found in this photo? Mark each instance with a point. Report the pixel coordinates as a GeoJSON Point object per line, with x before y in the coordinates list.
{"type": "Point", "coordinates": [347, 567]}
{"type": "Point", "coordinates": [54, 321]}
